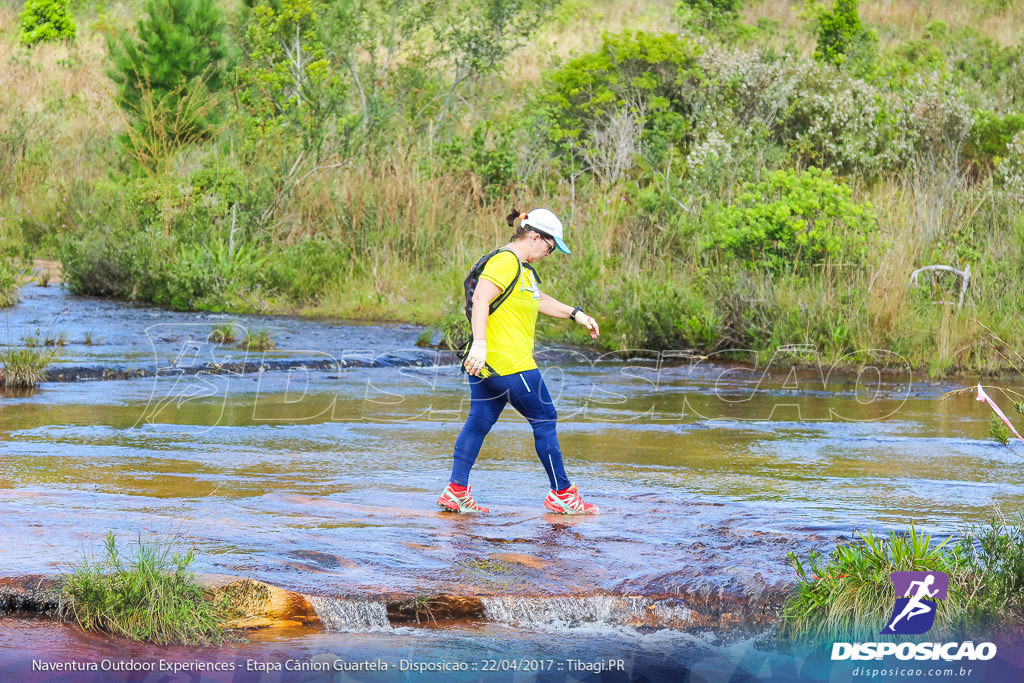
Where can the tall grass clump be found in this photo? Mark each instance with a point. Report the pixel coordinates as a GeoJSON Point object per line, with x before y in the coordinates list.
{"type": "Point", "coordinates": [10, 277]}
{"type": "Point", "coordinates": [258, 340]}
{"type": "Point", "coordinates": [850, 595]}
{"type": "Point", "coordinates": [24, 368]}
{"type": "Point", "coordinates": [149, 597]}
{"type": "Point", "coordinates": [997, 550]}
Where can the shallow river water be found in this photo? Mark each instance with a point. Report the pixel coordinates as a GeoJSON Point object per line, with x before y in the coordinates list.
{"type": "Point", "coordinates": [315, 467]}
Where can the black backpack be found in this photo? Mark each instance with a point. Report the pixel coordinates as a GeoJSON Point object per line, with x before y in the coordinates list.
{"type": "Point", "coordinates": [474, 278]}
{"type": "Point", "coordinates": [470, 288]}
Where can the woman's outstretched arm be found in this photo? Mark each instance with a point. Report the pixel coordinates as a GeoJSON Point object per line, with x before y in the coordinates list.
{"type": "Point", "coordinates": [554, 308]}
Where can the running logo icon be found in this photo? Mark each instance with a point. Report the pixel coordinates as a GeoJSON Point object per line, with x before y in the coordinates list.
{"type": "Point", "coordinates": [917, 593]}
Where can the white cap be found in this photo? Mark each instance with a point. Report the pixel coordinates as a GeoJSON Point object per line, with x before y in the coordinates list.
{"type": "Point", "coordinates": [546, 222]}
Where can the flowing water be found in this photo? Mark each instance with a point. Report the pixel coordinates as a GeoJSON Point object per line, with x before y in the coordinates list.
{"type": "Point", "coordinates": [315, 467]}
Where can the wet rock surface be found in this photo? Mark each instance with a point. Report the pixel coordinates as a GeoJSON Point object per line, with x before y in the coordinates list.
{"type": "Point", "coordinates": [32, 593]}
{"type": "Point", "coordinates": [255, 605]}
{"type": "Point", "coordinates": [258, 605]}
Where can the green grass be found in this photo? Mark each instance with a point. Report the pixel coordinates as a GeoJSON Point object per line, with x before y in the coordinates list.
{"type": "Point", "coordinates": [150, 596]}
{"type": "Point", "coordinates": [10, 278]}
{"type": "Point", "coordinates": [24, 367]}
{"type": "Point", "coordinates": [850, 595]}
{"type": "Point", "coordinates": [258, 340]}
{"type": "Point", "coordinates": [56, 339]}
{"type": "Point", "coordinates": [225, 334]}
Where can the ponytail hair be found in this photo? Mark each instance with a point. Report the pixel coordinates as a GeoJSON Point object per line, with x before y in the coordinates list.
{"type": "Point", "coordinates": [514, 216]}
{"type": "Point", "coordinates": [512, 219]}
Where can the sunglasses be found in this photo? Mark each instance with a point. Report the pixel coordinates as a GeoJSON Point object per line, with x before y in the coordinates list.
{"type": "Point", "coordinates": [551, 244]}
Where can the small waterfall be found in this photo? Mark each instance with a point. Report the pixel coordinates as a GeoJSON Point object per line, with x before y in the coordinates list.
{"type": "Point", "coordinates": [597, 609]}
{"type": "Point", "coordinates": [351, 615]}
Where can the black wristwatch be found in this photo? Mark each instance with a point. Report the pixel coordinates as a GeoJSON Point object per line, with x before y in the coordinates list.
{"type": "Point", "coordinates": [572, 316]}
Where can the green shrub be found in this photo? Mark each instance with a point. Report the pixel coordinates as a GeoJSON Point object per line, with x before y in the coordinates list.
{"type": "Point", "coordinates": [489, 153]}
{"type": "Point", "coordinates": [258, 340]}
{"type": "Point", "coordinates": [647, 313]}
{"type": "Point", "coordinates": [720, 17]}
{"type": "Point", "coordinates": [998, 431]}
{"type": "Point", "coordinates": [43, 20]}
{"type": "Point", "coordinates": [100, 261]}
{"type": "Point", "coordinates": [1010, 169]}
{"type": "Point", "coordinates": [24, 367]}
{"type": "Point", "coordinates": [304, 270]}
{"type": "Point", "coordinates": [991, 136]}
{"type": "Point", "coordinates": [819, 115]}
{"type": "Point", "coordinates": [645, 75]}
{"type": "Point", "coordinates": [997, 552]}
{"type": "Point", "coordinates": [793, 221]}
{"type": "Point", "coordinates": [850, 595]}
{"type": "Point", "coordinates": [224, 334]}
{"type": "Point", "coordinates": [285, 99]}
{"type": "Point", "coordinates": [149, 597]}
{"type": "Point", "coordinates": [842, 39]}
{"type": "Point", "coordinates": [10, 281]}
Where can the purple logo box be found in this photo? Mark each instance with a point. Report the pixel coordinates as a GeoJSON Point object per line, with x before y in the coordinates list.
{"type": "Point", "coordinates": [917, 594]}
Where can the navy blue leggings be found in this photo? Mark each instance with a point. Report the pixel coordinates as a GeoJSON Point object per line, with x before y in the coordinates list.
{"type": "Point", "coordinates": [527, 394]}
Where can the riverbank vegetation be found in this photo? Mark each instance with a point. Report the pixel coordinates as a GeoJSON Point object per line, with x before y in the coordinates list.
{"type": "Point", "coordinates": [732, 175]}
{"type": "Point", "coordinates": [24, 368]}
{"type": "Point", "coordinates": [148, 596]}
{"type": "Point", "coordinates": [850, 595]}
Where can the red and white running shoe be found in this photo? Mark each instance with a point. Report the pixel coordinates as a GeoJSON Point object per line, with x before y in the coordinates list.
{"type": "Point", "coordinates": [568, 503]}
{"type": "Point", "coordinates": [453, 502]}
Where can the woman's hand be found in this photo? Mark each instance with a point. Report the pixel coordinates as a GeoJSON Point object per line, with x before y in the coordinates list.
{"type": "Point", "coordinates": [588, 322]}
{"type": "Point", "coordinates": [476, 358]}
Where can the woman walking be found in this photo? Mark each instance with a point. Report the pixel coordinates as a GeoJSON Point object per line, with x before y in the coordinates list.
{"type": "Point", "coordinates": [501, 365]}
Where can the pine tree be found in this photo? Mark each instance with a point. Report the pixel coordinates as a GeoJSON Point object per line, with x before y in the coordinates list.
{"type": "Point", "coordinates": [842, 39]}
{"type": "Point", "coordinates": [167, 75]}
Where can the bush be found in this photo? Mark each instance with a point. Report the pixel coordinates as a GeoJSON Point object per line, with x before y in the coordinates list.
{"type": "Point", "coordinates": [1010, 169]}
{"type": "Point", "coordinates": [991, 136]}
{"type": "Point", "coordinates": [850, 596]}
{"type": "Point", "coordinates": [43, 20]}
{"type": "Point", "coordinates": [11, 275]}
{"type": "Point", "coordinates": [822, 116]}
{"type": "Point", "coordinates": [997, 551]}
{"type": "Point", "coordinates": [646, 313]}
{"type": "Point", "coordinates": [304, 270]}
{"type": "Point", "coordinates": [24, 367]}
{"type": "Point", "coordinates": [639, 73]}
{"type": "Point", "coordinates": [98, 261]}
{"type": "Point", "coordinates": [720, 17]}
{"type": "Point", "coordinates": [793, 221]}
{"type": "Point", "coordinates": [149, 597]}
{"type": "Point", "coordinates": [842, 39]}
{"type": "Point", "coordinates": [258, 340]}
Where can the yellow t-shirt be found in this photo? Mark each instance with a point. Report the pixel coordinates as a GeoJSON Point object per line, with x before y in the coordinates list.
{"type": "Point", "coordinates": [510, 329]}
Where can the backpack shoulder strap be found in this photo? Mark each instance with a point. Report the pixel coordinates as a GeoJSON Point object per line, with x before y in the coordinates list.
{"type": "Point", "coordinates": [536, 277]}
{"type": "Point", "coordinates": [507, 292]}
